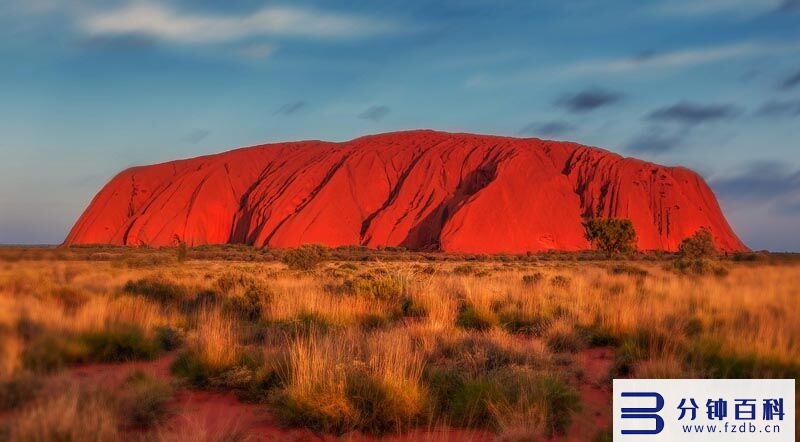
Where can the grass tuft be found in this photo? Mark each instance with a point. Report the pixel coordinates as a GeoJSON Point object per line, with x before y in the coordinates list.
{"type": "Point", "coordinates": [142, 399]}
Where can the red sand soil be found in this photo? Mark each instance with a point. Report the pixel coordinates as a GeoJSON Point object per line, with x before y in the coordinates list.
{"type": "Point", "coordinates": [219, 413]}
{"type": "Point", "coordinates": [596, 395]}
{"type": "Point", "coordinates": [423, 190]}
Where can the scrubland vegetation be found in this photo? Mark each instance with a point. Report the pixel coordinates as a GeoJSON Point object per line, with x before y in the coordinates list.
{"type": "Point", "coordinates": [339, 343]}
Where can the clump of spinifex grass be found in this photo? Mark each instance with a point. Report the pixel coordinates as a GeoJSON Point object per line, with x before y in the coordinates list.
{"type": "Point", "coordinates": [493, 380]}
{"type": "Point", "coordinates": [120, 343]}
{"type": "Point", "coordinates": [212, 349]}
{"type": "Point", "coordinates": [344, 382]}
{"type": "Point", "coordinates": [70, 415]}
{"type": "Point", "coordinates": [142, 399]}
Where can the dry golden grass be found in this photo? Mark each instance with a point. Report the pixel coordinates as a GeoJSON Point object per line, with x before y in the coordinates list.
{"type": "Point", "coordinates": [215, 340]}
{"type": "Point", "coordinates": [384, 347]}
{"type": "Point", "coordinates": [353, 379]}
{"type": "Point", "coordinates": [70, 415]}
{"type": "Point", "coordinates": [10, 353]}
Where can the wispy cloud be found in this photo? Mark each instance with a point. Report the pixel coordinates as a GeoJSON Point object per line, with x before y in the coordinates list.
{"type": "Point", "coordinates": [679, 58]}
{"type": "Point", "coordinates": [651, 60]}
{"type": "Point", "coordinates": [588, 100]}
{"type": "Point", "coordinates": [291, 108]}
{"type": "Point", "coordinates": [655, 141]}
{"type": "Point", "coordinates": [789, 6]}
{"type": "Point", "coordinates": [375, 113]}
{"type": "Point", "coordinates": [196, 136]}
{"type": "Point", "coordinates": [766, 179]}
{"type": "Point", "coordinates": [165, 23]}
{"type": "Point", "coordinates": [790, 82]}
{"type": "Point", "coordinates": [777, 108]}
{"type": "Point", "coordinates": [547, 129]}
{"type": "Point", "coordinates": [692, 113]}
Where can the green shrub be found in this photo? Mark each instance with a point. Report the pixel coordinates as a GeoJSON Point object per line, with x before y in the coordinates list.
{"type": "Point", "coordinates": [119, 344]}
{"type": "Point", "coordinates": [181, 252]}
{"type": "Point", "coordinates": [250, 305]}
{"type": "Point", "coordinates": [168, 338]}
{"type": "Point", "coordinates": [374, 321]}
{"type": "Point", "coordinates": [721, 271]}
{"type": "Point", "coordinates": [443, 381]}
{"type": "Point", "coordinates": [699, 267]}
{"type": "Point", "coordinates": [470, 402]}
{"type": "Point", "coordinates": [192, 369]}
{"type": "Point", "coordinates": [143, 261]}
{"type": "Point", "coordinates": [708, 357]}
{"type": "Point", "coordinates": [560, 399]}
{"type": "Point", "coordinates": [381, 407]}
{"type": "Point", "coordinates": [698, 246]}
{"type": "Point", "coordinates": [349, 266]}
{"type": "Point", "coordinates": [51, 352]}
{"type": "Point", "coordinates": [477, 353]}
{"type": "Point", "coordinates": [483, 400]}
{"type": "Point", "coordinates": [464, 269]}
{"type": "Point", "coordinates": [598, 336]}
{"type": "Point", "coordinates": [310, 321]}
{"type": "Point", "coordinates": [71, 299]}
{"type": "Point", "coordinates": [230, 282]}
{"type": "Point", "coordinates": [515, 321]}
{"type": "Point", "coordinates": [202, 300]}
{"type": "Point", "coordinates": [533, 278]}
{"type": "Point", "coordinates": [428, 270]}
{"type": "Point", "coordinates": [305, 257]}
{"type": "Point", "coordinates": [611, 235]}
{"type": "Point", "coordinates": [693, 327]}
{"type": "Point", "coordinates": [636, 347]}
{"type": "Point", "coordinates": [303, 324]}
{"type": "Point", "coordinates": [407, 308]}
{"type": "Point", "coordinates": [250, 380]}
{"type": "Point", "coordinates": [751, 256]}
{"type": "Point", "coordinates": [157, 289]}
{"type": "Point", "coordinates": [560, 282]}
{"type": "Point", "coordinates": [330, 415]}
{"type": "Point", "coordinates": [27, 328]}
{"type": "Point", "coordinates": [383, 287]}
{"type": "Point", "coordinates": [142, 399]}
{"type": "Point", "coordinates": [561, 341]}
{"type": "Point", "coordinates": [628, 269]}
{"type": "Point", "coordinates": [471, 318]}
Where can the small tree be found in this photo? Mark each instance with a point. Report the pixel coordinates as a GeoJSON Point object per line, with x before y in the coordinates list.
{"type": "Point", "coordinates": [305, 257]}
{"type": "Point", "coordinates": [699, 245]}
{"type": "Point", "coordinates": [181, 251]}
{"type": "Point", "coordinates": [611, 235]}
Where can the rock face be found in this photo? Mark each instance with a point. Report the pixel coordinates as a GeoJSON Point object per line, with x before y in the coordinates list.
{"type": "Point", "coordinates": [422, 190]}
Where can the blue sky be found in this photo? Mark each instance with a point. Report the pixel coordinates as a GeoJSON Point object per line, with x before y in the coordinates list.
{"type": "Point", "coordinates": [88, 88]}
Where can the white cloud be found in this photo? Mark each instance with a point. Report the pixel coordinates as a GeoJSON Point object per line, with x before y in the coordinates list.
{"type": "Point", "coordinates": [679, 58]}
{"type": "Point", "coordinates": [660, 61]}
{"type": "Point", "coordinates": [163, 22]}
